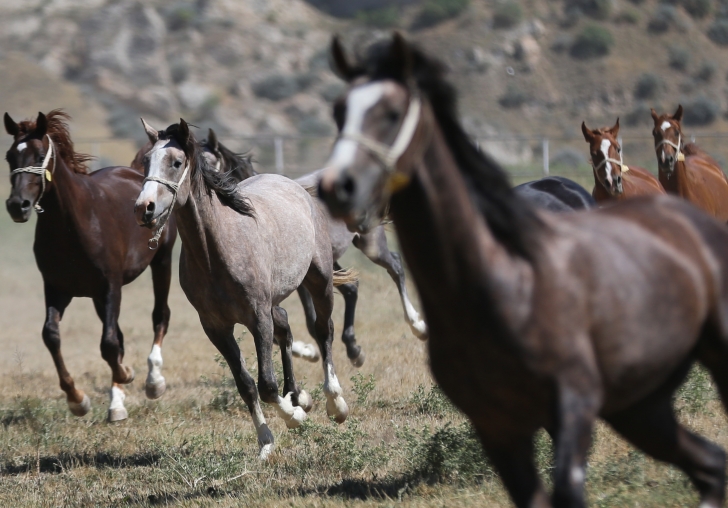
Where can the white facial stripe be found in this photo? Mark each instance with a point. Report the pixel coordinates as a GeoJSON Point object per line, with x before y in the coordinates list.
{"type": "Point", "coordinates": [359, 102]}
{"type": "Point", "coordinates": [665, 125]}
{"type": "Point", "coordinates": [21, 147]}
{"type": "Point", "coordinates": [608, 165]}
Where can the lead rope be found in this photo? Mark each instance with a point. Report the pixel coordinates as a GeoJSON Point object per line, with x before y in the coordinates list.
{"type": "Point", "coordinates": [41, 171]}
{"type": "Point", "coordinates": [153, 243]}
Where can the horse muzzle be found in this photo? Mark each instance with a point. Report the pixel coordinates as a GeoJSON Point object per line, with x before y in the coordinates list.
{"type": "Point", "coordinates": [144, 212]}
{"type": "Point", "coordinates": [19, 209]}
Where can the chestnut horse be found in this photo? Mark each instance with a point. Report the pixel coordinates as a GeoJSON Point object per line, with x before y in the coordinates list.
{"type": "Point", "coordinates": [86, 246]}
{"type": "Point", "coordinates": [613, 180]}
{"type": "Point", "coordinates": [686, 170]}
{"type": "Point", "coordinates": [537, 320]}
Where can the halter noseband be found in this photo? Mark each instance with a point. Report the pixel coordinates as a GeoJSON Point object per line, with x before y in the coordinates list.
{"type": "Point", "coordinates": [174, 187]}
{"type": "Point", "coordinates": [41, 171]}
{"type": "Point", "coordinates": [621, 163]}
{"type": "Point", "coordinates": [680, 156]}
{"type": "Point", "coordinates": [388, 156]}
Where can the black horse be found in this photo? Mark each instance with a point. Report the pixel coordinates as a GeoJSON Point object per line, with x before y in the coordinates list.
{"type": "Point", "coordinates": [556, 194]}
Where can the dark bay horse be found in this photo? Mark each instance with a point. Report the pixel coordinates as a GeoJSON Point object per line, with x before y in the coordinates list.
{"type": "Point", "coordinates": [614, 180]}
{"type": "Point", "coordinates": [246, 246]}
{"type": "Point", "coordinates": [86, 246]}
{"type": "Point", "coordinates": [536, 319]}
{"type": "Point", "coordinates": [556, 194]}
{"type": "Point", "coordinates": [686, 170]}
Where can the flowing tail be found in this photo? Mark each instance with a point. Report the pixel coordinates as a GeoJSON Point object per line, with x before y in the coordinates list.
{"type": "Point", "coordinates": [345, 276]}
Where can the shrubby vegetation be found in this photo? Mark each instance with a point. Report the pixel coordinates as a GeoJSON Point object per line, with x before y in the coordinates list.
{"type": "Point", "coordinates": [700, 111]}
{"type": "Point", "coordinates": [437, 11]}
{"type": "Point", "coordinates": [593, 41]}
{"type": "Point", "coordinates": [507, 14]}
{"type": "Point", "coordinates": [679, 57]}
{"type": "Point", "coordinates": [514, 97]}
{"type": "Point", "coordinates": [384, 17]}
{"type": "Point", "coordinates": [597, 9]}
{"type": "Point", "coordinates": [718, 32]}
{"type": "Point", "coordinates": [663, 19]}
{"type": "Point", "coordinates": [648, 86]}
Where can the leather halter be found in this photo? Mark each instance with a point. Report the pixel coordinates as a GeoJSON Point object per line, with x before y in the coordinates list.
{"type": "Point", "coordinates": [174, 187]}
{"type": "Point", "coordinates": [41, 171]}
{"type": "Point", "coordinates": [388, 156]}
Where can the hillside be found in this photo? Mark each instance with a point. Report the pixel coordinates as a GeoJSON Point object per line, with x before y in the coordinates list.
{"type": "Point", "coordinates": [260, 67]}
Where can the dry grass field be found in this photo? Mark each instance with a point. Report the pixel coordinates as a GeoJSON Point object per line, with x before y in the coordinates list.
{"type": "Point", "coordinates": [403, 443]}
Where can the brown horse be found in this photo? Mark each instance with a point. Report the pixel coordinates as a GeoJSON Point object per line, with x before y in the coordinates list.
{"type": "Point", "coordinates": [613, 180]}
{"type": "Point", "coordinates": [686, 170]}
{"type": "Point", "coordinates": [536, 319]}
{"type": "Point", "coordinates": [86, 246]}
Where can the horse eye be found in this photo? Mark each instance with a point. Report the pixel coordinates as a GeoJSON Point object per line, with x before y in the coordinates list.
{"type": "Point", "coordinates": [177, 164]}
{"type": "Point", "coordinates": [393, 116]}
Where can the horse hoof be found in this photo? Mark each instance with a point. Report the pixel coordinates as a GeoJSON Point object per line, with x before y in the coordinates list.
{"type": "Point", "coordinates": [155, 390]}
{"type": "Point", "coordinates": [130, 375]}
{"type": "Point", "coordinates": [311, 353]}
{"type": "Point", "coordinates": [419, 329]}
{"type": "Point", "coordinates": [305, 401]}
{"type": "Point", "coordinates": [337, 409]}
{"type": "Point", "coordinates": [359, 360]}
{"type": "Point", "coordinates": [265, 441]}
{"type": "Point", "coordinates": [80, 408]}
{"type": "Point", "coordinates": [265, 451]}
{"type": "Point", "coordinates": [295, 421]}
{"type": "Point", "coordinates": [118, 414]}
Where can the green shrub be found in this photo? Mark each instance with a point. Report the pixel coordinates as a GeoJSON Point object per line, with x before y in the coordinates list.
{"type": "Point", "coordinates": [679, 57]}
{"type": "Point", "coordinates": [592, 41]}
{"type": "Point", "coordinates": [718, 32]}
{"type": "Point", "coordinates": [513, 98]}
{"type": "Point", "coordinates": [437, 11]}
{"type": "Point", "coordinates": [707, 71]}
{"type": "Point", "coordinates": [507, 15]}
{"type": "Point", "coordinates": [597, 9]}
{"type": "Point", "coordinates": [648, 86]}
{"type": "Point", "coordinates": [663, 19]}
{"type": "Point", "coordinates": [700, 111]}
{"type": "Point", "coordinates": [698, 9]}
{"type": "Point", "coordinates": [628, 17]}
{"type": "Point", "coordinates": [639, 116]}
{"type": "Point", "coordinates": [384, 17]}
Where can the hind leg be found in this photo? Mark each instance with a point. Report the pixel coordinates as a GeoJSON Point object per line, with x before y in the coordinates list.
{"type": "Point", "coordinates": [319, 282]}
{"type": "Point", "coordinates": [651, 426]}
{"type": "Point", "coordinates": [223, 339]}
{"type": "Point", "coordinates": [161, 267]}
{"type": "Point", "coordinates": [285, 340]}
{"type": "Point", "coordinates": [374, 246]}
{"type": "Point", "coordinates": [350, 292]}
{"type": "Point", "coordinates": [299, 348]}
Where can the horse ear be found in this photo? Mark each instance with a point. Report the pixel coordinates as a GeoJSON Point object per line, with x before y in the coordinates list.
{"type": "Point", "coordinates": [401, 55]}
{"type": "Point", "coordinates": [184, 133]}
{"type": "Point", "coordinates": [655, 116]}
{"type": "Point", "coordinates": [152, 133]}
{"type": "Point", "coordinates": [678, 114]}
{"type": "Point", "coordinates": [11, 127]}
{"type": "Point", "coordinates": [615, 129]}
{"type": "Point", "coordinates": [339, 62]}
{"type": "Point", "coordinates": [588, 134]}
{"type": "Point", "coordinates": [212, 142]}
{"type": "Point", "coordinates": [41, 126]}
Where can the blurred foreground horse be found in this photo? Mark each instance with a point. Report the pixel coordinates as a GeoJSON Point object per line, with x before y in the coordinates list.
{"type": "Point", "coordinates": [86, 244]}
{"type": "Point", "coordinates": [245, 248]}
{"type": "Point", "coordinates": [536, 320]}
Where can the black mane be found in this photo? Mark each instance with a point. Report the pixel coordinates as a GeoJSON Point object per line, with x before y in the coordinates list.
{"type": "Point", "coordinates": [512, 220]}
{"type": "Point", "coordinates": [205, 177]}
{"type": "Point", "coordinates": [240, 165]}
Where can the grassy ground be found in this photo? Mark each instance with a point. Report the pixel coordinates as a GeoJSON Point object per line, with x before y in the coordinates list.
{"type": "Point", "coordinates": [196, 446]}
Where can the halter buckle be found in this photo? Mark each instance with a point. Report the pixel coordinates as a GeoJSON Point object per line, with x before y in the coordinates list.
{"type": "Point", "coordinates": [153, 243]}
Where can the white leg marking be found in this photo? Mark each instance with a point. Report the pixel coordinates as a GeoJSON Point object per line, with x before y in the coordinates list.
{"type": "Point", "coordinates": [292, 415]}
{"type": "Point", "coordinates": [335, 403]}
{"type": "Point", "coordinates": [21, 147]}
{"type": "Point", "coordinates": [665, 125]}
{"type": "Point", "coordinates": [80, 408]}
{"type": "Point", "coordinates": [265, 436]}
{"type": "Point", "coordinates": [418, 326]}
{"type": "Point", "coordinates": [577, 475]}
{"type": "Point", "coordinates": [360, 100]}
{"type": "Point", "coordinates": [308, 352]}
{"type": "Point", "coordinates": [305, 400]}
{"type": "Point", "coordinates": [155, 384]}
{"type": "Point", "coordinates": [608, 165]}
{"type": "Point", "coordinates": [117, 411]}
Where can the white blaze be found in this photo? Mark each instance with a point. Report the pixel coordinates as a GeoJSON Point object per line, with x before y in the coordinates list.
{"type": "Point", "coordinates": [665, 125]}
{"type": "Point", "coordinates": [608, 165]}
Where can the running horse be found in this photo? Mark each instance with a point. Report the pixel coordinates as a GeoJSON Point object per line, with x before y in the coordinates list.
{"type": "Point", "coordinates": [686, 170]}
{"type": "Point", "coordinates": [614, 180]}
{"type": "Point", "coordinates": [246, 246]}
{"type": "Point", "coordinates": [85, 247]}
{"type": "Point", "coordinates": [537, 320]}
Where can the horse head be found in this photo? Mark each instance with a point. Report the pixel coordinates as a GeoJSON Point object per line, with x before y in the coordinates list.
{"type": "Point", "coordinates": [668, 139]}
{"type": "Point", "coordinates": [606, 157]}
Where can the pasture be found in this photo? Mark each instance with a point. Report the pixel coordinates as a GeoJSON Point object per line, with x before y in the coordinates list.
{"type": "Point", "coordinates": [403, 442]}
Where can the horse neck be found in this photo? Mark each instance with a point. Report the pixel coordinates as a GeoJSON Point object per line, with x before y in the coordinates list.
{"type": "Point", "coordinates": [445, 239]}
{"type": "Point", "coordinates": [62, 200]}
{"type": "Point", "coordinates": [196, 225]}
{"type": "Point", "coordinates": [676, 182]}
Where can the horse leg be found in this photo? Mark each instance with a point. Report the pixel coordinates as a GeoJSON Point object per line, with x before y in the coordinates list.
{"type": "Point", "coordinates": [56, 303]}
{"type": "Point", "coordinates": [651, 426]}
{"type": "Point", "coordinates": [575, 418]}
{"type": "Point", "coordinates": [223, 339]}
{"type": "Point", "coordinates": [112, 350]}
{"type": "Point", "coordinates": [320, 284]}
{"type": "Point", "coordinates": [301, 349]}
{"type": "Point", "coordinates": [513, 458]}
{"type": "Point", "coordinates": [283, 334]}
{"type": "Point", "coordinates": [263, 332]}
{"type": "Point", "coordinates": [350, 292]}
{"type": "Point", "coordinates": [374, 246]}
{"type": "Point", "coordinates": [161, 267]}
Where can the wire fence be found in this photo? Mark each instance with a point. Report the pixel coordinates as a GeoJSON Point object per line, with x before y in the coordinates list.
{"type": "Point", "coordinates": [525, 157]}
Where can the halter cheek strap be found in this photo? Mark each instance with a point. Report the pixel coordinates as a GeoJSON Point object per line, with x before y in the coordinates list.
{"type": "Point", "coordinates": [388, 156]}
{"type": "Point", "coordinates": [41, 171]}
{"type": "Point", "coordinates": [174, 187]}
{"type": "Point", "coordinates": [677, 147]}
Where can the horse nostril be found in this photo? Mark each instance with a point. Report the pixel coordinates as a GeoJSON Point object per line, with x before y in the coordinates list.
{"type": "Point", "coordinates": [150, 207]}
{"type": "Point", "coordinates": [25, 205]}
{"type": "Point", "coordinates": [344, 188]}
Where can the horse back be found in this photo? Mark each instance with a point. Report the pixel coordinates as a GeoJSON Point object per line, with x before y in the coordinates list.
{"type": "Point", "coordinates": [556, 194]}
{"type": "Point", "coordinates": [640, 182]}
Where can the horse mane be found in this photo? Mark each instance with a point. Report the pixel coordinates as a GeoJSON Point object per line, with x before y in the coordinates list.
{"type": "Point", "coordinates": [202, 176]}
{"type": "Point", "coordinates": [58, 131]}
{"type": "Point", "coordinates": [512, 220]}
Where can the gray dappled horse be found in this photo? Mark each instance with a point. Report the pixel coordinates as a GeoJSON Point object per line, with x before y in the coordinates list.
{"type": "Point", "coordinates": [245, 248]}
